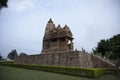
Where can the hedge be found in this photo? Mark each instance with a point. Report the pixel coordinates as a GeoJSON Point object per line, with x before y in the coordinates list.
{"type": "Point", "coordinates": [6, 62]}
{"type": "Point", "coordinates": [113, 71]}
{"type": "Point", "coordinates": [76, 71]}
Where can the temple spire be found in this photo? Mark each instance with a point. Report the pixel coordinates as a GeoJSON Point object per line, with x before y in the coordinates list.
{"type": "Point", "coordinates": [50, 21]}
{"type": "Point", "coordinates": [59, 27]}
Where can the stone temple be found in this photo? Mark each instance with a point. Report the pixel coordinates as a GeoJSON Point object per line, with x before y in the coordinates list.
{"type": "Point", "coordinates": [57, 38]}
{"type": "Point", "coordinates": [57, 50]}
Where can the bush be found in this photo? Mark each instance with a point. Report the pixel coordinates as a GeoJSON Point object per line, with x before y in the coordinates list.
{"type": "Point", "coordinates": [112, 71]}
{"type": "Point", "coordinates": [99, 72]}
{"type": "Point", "coordinates": [76, 71]}
{"type": "Point", "coordinates": [6, 62]}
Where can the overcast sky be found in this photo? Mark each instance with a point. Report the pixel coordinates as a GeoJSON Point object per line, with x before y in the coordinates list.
{"type": "Point", "coordinates": [22, 24]}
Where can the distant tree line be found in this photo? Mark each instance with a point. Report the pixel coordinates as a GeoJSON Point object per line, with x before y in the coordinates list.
{"type": "Point", "coordinates": [14, 54]}
{"type": "Point", "coordinates": [110, 49]}
{"type": "Point", "coordinates": [1, 57]}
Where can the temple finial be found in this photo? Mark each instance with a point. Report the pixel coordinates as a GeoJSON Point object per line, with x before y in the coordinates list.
{"type": "Point", "coordinates": [66, 25]}
{"type": "Point", "coordinates": [50, 21]}
{"type": "Point", "coordinates": [59, 25]}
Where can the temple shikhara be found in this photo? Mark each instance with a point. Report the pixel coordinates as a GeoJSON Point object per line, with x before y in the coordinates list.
{"type": "Point", "coordinates": [57, 38]}
{"type": "Point", "coordinates": [58, 50]}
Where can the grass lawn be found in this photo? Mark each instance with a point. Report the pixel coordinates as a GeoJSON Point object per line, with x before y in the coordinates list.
{"type": "Point", "coordinates": [11, 73]}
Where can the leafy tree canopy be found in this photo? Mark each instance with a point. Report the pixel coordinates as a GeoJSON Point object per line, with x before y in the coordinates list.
{"type": "Point", "coordinates": [109, 48]}
{"type": "Point", "coordinates": [23, 54]}
{"type": "Point", "coordinates": [12, 54]}
{"type": "Point", "coordinates": [0, 57]}
{"type": "Point", "coordinates": [3, 3]}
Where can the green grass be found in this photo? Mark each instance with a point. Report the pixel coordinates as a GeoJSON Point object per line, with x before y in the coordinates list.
{"type": "Point", "coordinates": [11, 73]}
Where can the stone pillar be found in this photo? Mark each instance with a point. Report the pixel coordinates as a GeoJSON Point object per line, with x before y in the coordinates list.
{"type": "Point", "coordinates": [66, 45]}
{"type": "Point", "coordinates": [58, 46]}
{"type": "Point", "coordinates": [71, 40]}
{"type": "Point", "coordinates": [71, 45]}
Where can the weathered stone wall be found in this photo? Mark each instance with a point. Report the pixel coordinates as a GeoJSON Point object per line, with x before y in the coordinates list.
{"type": "Point", "coordinates": [100, 62]}
{"type": "Point", "coordinates": [78, 59]}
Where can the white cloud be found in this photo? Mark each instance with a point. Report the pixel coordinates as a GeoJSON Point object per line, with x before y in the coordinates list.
{"type": "Point", "coordinates": [20, 5]}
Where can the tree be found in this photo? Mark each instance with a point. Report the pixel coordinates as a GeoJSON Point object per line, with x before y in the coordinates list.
{"type": "Point", "coordinates": [110, 49]}
{"type": "Point", "coordinates": [115, 49]}
{"type": "Point", "coordinates": [103, 47]}
{"type": "Point", "coordinates": [0, 57]}
{"type": "Point", "coordinates": [23, 54]}
{"type": "Point", "coordinates": [3, 3]}
{"type": "Point", "coordinates": [12, 54]}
